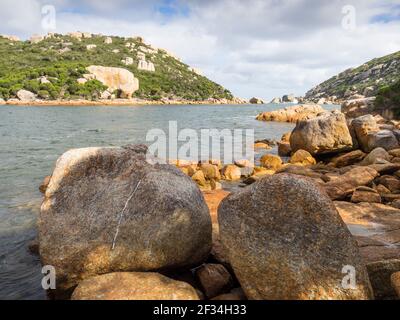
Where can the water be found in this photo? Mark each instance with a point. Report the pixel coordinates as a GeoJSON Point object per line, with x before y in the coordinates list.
{"type": "Point", "coordinates": [32, 138]}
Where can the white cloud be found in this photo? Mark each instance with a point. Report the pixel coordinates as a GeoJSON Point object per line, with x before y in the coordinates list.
{"type": "Point", "coordinates": [255, 48]}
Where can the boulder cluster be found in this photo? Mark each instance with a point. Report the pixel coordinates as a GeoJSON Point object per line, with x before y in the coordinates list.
{"type": "Point", "coordinates": [117, 225]}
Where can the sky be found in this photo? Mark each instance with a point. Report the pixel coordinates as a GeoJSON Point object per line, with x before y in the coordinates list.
{"type": "Point", "coordinates": [255, 48]}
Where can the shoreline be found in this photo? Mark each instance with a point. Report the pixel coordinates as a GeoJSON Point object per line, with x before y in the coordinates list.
{"type": "Point", "coordinates": [116, 103]}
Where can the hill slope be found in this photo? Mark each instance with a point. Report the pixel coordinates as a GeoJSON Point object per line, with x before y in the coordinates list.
{"type": "Point", "coordinates": [51, 66]}
{"type": "Point", "coordinates": [365, 80]}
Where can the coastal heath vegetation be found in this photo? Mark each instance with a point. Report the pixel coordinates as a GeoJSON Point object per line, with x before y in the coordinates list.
{"type": "Point", "coordinates": [62, 60]}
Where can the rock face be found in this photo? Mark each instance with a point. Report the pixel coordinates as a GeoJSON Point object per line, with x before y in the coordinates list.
{"type": "Point", "coordinates": [231, 173]}
{"type": "Point", "coordinates": [133, 286]}
{"type": "Point", "coordinates": [327, 133]}
{"type": "Point", "coordinates": [256, 101]}
{"type": "Point", "coordinates": [272, 231]}
{"type": "Point", "coordinates": [292, 114]}
{"type": "Point", "coordinates": [25, 95]}
{"type": "Point", "coordinates": [116, 79]}
{"type": "Point", "coordinates": [380, 274]}
{"type": "Point", "coordinates": [108, 210]}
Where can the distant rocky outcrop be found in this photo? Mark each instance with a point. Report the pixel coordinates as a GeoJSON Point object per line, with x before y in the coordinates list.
{"type": "Point", "coordinates": [11, 38]}
{"type": "Point", "coordinates": [116, 79]}
{"type": "Point", "coordinates": [289, 98]}
{"type": "Point", "coordinates": [292, 114]}
{"type": "Point", "coordinates": [364, 80]}
{"type": "Point", "coordinates": [256, 101]}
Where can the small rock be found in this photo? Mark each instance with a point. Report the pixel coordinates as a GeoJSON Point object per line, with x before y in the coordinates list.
{"type": "Point", "coordinates": [395, 153]}
{"type": "Point", "coordinates": [284, 149]}
{"type": "Point", "coordinates": [286, 137]}
{"type": "Point", "coordinates": [270, 161]}
{"type": "Point", "coordinates": [214, 279]}
{"type": "Point", "coordinates": [244, 163]}
{"type": "Point", "coordinates": [390, 182]}
{"type": "Point", "coordinates": [346, 184]}
{"type": "Point", "coordinates": [215, 185]}
{"type": "Point", "coordinates": [395, 280]}
{"type": "Point", "coordinates": [199, 178]}
{"type": "Point", "coordinates": [348, 159]}
{"type": "Point", "coordinates": [302, 157]}
{"type": "Point", "coordinates": [33, 247]}
{"type": "Point", "coordinates": [44, 184]}
{"type": "Point", "coordinates": [366, 196]}
{"type": "Point", "coordinates": [210, 171]}
{"type": "Point", "coordinates": [247, 171]}
{"type": "Point", "coordinates": [231, 173]}
{"type": "Point", "coordinates": [133, 286]}
{"type": "Point", "coordinates": [379, 275]}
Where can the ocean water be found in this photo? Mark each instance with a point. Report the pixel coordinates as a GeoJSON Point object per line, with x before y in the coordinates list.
{"type": "Point", "coordinates": [32, 138]}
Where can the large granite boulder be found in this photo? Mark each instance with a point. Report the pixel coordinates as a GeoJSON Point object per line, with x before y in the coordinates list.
{"type": "Point", "coordinates": [364, 126]}
{"type": "Point", "coordinates": [116, 79]}
{"type": "Point", "coordinates": [328, 133]}
{"type": "Point", "coordinates": [25, 95]}
{"type": "Point", "coordinates": [286, 240]}
{"type": "Point", "coordinates": [110, 209]}
{"type": "Point", "coordinates": [134, 286]}
{"type": "Point", "coordinates": [292, 114]}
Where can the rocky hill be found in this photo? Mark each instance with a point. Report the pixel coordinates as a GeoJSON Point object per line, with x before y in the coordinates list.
{"type": "Point", "coordinates": [365, 80]}
{"type": "Point", "coordinates": [86, 66]}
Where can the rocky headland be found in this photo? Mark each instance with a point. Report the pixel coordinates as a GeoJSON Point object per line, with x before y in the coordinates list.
{"type": "Point", "coordinates": [81, 68]}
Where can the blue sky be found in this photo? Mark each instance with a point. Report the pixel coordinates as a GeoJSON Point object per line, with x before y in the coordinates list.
{"type": "Point", "coordinates": [262, 48]}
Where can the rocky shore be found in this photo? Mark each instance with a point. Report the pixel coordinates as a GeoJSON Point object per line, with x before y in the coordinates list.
{"type": "Point", "coordinates": [117, 225]}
